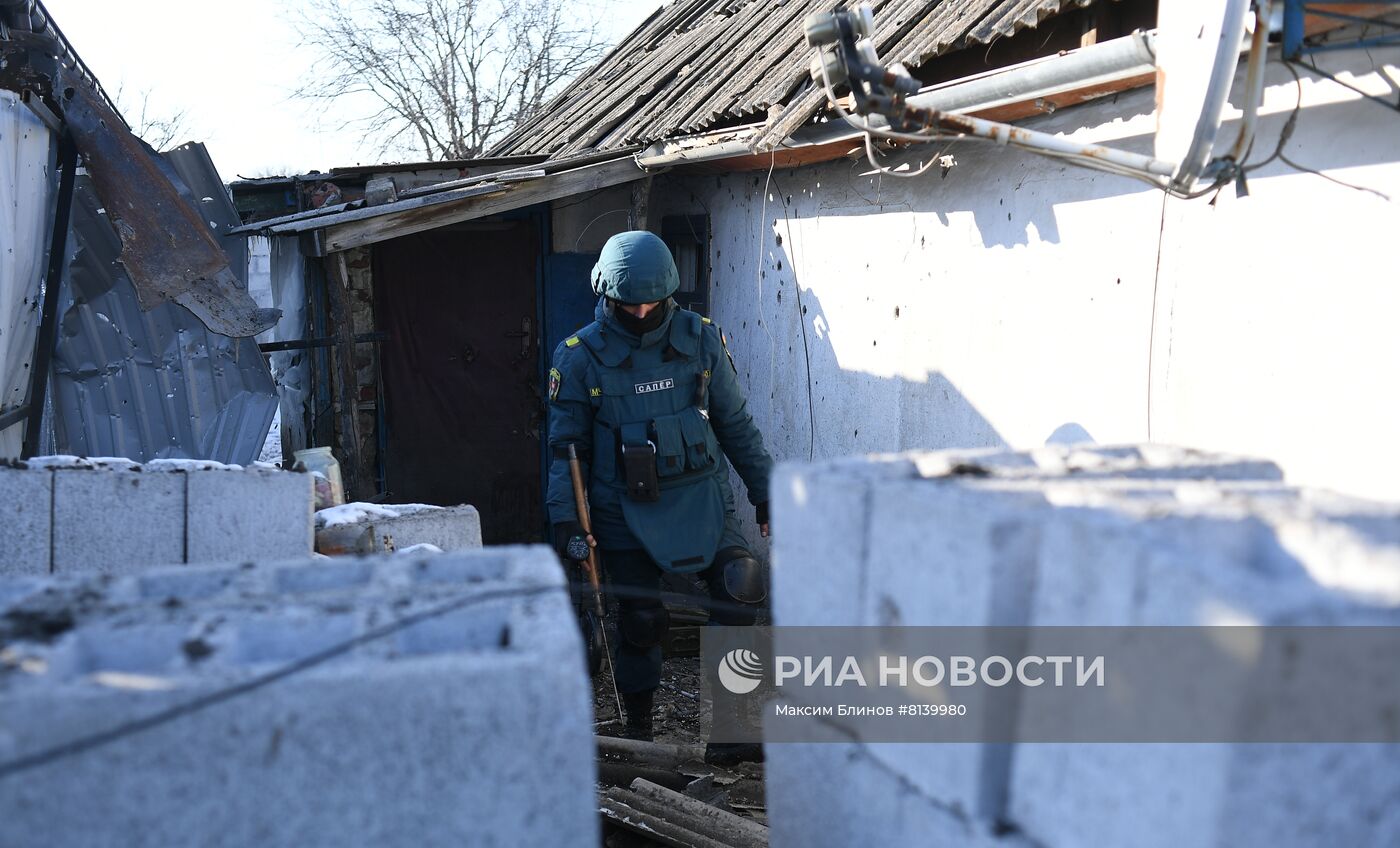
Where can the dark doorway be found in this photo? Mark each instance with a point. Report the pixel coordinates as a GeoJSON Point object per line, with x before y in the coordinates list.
{"type": "Point", "coordinates": [461, 371]}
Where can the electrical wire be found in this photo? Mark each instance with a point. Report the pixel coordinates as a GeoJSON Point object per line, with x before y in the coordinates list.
{"type": "Point", "coordinates": [584, 231]}
{"type": "Point", "coordinates": [758, 269]}
{"type": "Point", "coordinates": [1286, 135]}
{"type": "Point", "coordinates": [93, 741]}
{"type": "Point", "coordinates": [924, 138]}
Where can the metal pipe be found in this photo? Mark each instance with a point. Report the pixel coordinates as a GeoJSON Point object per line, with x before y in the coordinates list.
{"type": "Point", "coordinates": [1054, 144]}
{"type": "Point", "coordinates": [14, 416]}
{"type": "Point", "coordinates": [1222, 76]}
{"type": "Point", "coordinates": [1254, 82]}
{"type": "Point", "coordinates": [1099, 64]}
{"type": "Point", "coordinates": [327, 341]}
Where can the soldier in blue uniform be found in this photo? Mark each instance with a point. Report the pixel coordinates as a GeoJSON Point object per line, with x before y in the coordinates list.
{"type": "Point", "coordinates": [649, 397]}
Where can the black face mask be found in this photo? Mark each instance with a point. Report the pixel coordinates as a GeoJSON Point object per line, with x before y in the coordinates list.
{"type": "Point", "coordinates": [640, 326]}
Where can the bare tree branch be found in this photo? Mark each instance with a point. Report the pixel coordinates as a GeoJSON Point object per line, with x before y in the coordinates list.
{"type": "Point", "coordinates": [161, 130]}
{"type": "Point", "coordinates": [454, 76]}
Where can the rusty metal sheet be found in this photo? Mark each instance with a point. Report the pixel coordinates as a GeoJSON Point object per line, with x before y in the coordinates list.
{"type": "Point", "coordinates": [167, 247]}
{"type": "Point", "coordinates": [147, 384]}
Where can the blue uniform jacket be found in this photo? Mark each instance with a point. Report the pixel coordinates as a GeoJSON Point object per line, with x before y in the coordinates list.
{"type": "Point", "coordinates": [676, 387]}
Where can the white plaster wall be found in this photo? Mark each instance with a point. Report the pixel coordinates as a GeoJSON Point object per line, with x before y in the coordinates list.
{"type": "Point", "coordinates": [1018, 300]}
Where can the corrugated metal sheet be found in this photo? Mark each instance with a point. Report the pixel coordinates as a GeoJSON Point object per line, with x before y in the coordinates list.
{"type": "Point", "coordinates": [27, 187]}
{"type": "Point", "coordinates": [147, 385]}
{"type": "Point", "coordinates": [199, 183]}
{"type": "Point", "coordinates": [697, 63]}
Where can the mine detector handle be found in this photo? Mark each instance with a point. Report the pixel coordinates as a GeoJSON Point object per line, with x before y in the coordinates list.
{"type": "Point", "coordinates": [590, 565]}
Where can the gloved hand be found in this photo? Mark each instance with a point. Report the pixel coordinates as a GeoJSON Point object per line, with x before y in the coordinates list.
{"type": "Point", "coordinates": [571, 542]}
{"type": "Point", "coordinates": [760, 516]}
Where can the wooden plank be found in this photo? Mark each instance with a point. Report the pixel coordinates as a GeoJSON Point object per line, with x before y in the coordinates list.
{"type": "Point", "coordinates": [366, 213]}
{"type": "Point", "coordinates": [641, 198]}
{"type": "Point", "coordinates": [552, 187]}
{"type": "Point", "coordinates": [338, 289]}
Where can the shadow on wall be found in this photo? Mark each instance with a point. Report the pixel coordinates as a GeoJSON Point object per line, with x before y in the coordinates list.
{"type": "Point", "coordinates": [1028, 187]}
{"type": "Point", "coordinates": [818, 409]}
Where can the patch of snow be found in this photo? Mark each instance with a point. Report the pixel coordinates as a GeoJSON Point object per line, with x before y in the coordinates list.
{"type": "Point", "coordinates": [356, 513]}
{"type": "Point", "coordinates": [109, 463]}
{"type": "Point", "coordinates": [421, 548]}
{"type": "Point", "coordinates": [190, 465]}
{"type": "Point", "coordinates": [351, 513]}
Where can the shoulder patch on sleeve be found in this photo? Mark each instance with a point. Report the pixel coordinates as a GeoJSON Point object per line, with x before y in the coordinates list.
{"type": "Point", "coordinates": [555, 381]}
{"type": "Point", "coordinates": [705, 320]}
{"type": "Point", "coordinates": [571, 341]}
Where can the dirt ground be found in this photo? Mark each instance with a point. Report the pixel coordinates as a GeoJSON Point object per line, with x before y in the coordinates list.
{"type": "Point", "coordinates": [680, 717]}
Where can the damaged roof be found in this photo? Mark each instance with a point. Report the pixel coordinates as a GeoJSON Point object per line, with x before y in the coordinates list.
{"type": "Point", "coordinates": [697, 64]}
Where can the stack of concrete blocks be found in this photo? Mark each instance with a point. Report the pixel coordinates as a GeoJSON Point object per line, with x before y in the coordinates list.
{"type": "Point", "coordinates": [1053, 536]}
{"type": "Point", "coordinates": [65, 514]}
{"type": "Point", "coordinates": [471, 725]}
{"type": "Point", "coordinates": [388, 527]}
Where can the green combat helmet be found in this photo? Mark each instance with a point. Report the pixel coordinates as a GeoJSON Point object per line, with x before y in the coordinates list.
{"type": "Point", "coordinates": [636, 267]}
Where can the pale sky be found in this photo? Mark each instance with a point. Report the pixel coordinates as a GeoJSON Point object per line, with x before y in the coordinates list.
{"type": "Point", "coordinates": [233, 67]}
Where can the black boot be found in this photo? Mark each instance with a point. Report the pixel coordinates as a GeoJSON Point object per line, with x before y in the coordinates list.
{"type": "Point", "coordinates": [638, 706]}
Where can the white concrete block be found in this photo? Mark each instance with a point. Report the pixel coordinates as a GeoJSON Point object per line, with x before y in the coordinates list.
{"type": "Point", "coordinates": [401, 526]}
{"type": "Point", "coordinates": [1241, 558]}
{"type": "Point", "coordinates": [251, 515]}
{"type": "Point", "coordinates": [26, 514]}
{"type": "Point", "coordinates": [113, 520]}
{"type": "Point", "coordinates": [836, 793]}
{"type": "Point", "coordinates": [472, 728]}
{"type": "Point", "coordinates": [953, 538]}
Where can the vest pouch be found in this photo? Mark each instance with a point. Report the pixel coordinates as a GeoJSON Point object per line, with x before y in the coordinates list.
{"type": "Point", "coordinates": [682, 530]}
{"type": "Point", "coordinates": [670, 446]}
{"type": "Point", "coordinates": [639, 464]}
{"type": "Point", "coordinates": [699, 440]}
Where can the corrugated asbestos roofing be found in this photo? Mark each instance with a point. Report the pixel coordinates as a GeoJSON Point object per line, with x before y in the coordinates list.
{"type": "Point", "coordinates": [695, 64]}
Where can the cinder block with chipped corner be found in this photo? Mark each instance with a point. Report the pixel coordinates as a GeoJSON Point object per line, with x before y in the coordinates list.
{"type": "Point", "coordinates": [26, 514]}
{"type": "Point", "coordinates": [949, 539]}
{"type": "Point", "coordinates": [248, 515]}
{"type": "Point", "coordinates": [117, 520]}
{"type": "Point", "coordinates": [454, 528]}
{"type": "Point", "coordinates": [1243, 558]}
{"type": "Point", "coordinates": [470, 728]}
{"type": "Point", "coordinates": [858, 530]}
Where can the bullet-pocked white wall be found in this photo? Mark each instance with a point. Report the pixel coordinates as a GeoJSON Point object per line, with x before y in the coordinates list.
{"type": "Point", "coordinates": [1016, 300]}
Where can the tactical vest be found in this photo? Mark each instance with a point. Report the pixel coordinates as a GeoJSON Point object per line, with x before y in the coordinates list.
{"type": "Point", "coordinates": [657, 396]}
